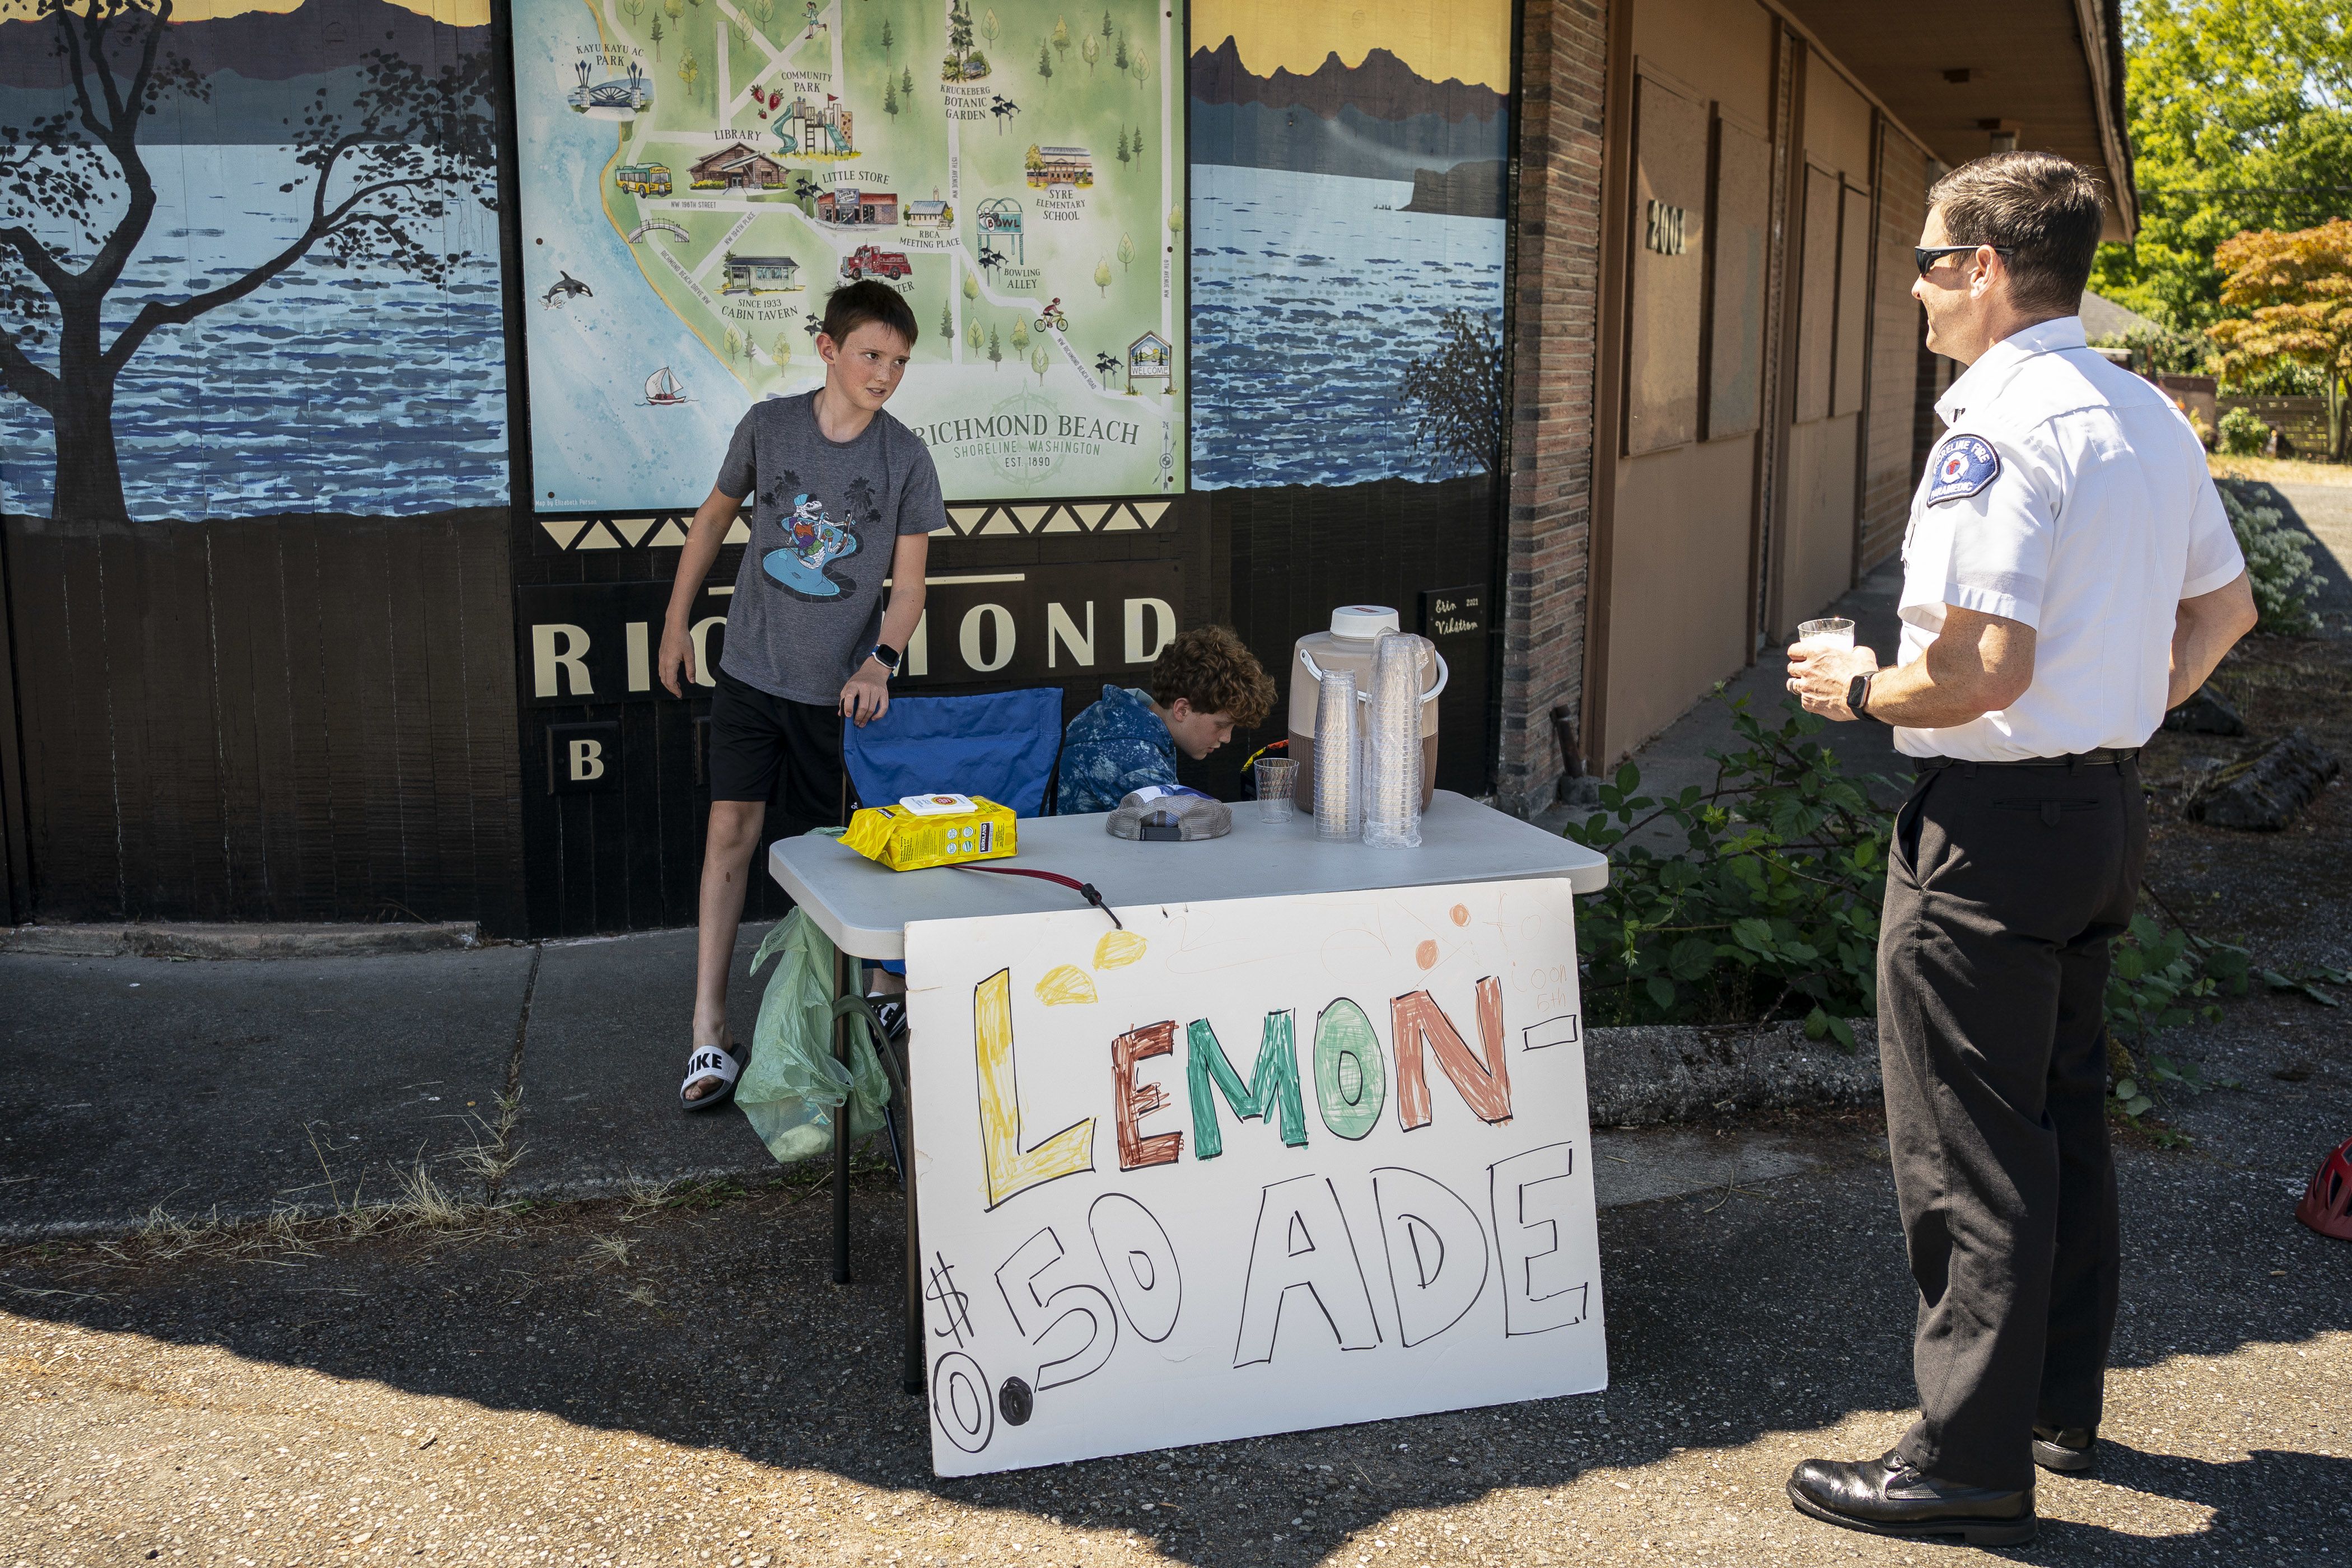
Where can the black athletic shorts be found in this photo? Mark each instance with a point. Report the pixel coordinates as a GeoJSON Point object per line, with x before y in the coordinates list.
{"type": "Point", "coordinates": [757, 739]}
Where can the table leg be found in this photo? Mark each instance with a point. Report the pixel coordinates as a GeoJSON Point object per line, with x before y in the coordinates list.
{"type": "Point", "coordinates": [844, 970]}
{"type": "Point", "coordinates": [913, 1373]}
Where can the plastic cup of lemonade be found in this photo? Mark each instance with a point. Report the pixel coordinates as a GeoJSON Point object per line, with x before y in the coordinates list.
{"type": "Point", "coordinates": [1831, 632]}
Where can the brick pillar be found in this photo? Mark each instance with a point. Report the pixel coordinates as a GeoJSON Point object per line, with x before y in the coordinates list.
{"type": "Point", "coordinates": [1564, 57]}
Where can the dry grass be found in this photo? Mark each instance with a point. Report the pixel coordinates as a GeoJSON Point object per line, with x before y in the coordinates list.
{"type": "Point", "coordinates": [2280, 470]}
{"type": "Point", "coordinates": [609, 1251]}
{"type": "Point", "coordinates": [488, 1161]}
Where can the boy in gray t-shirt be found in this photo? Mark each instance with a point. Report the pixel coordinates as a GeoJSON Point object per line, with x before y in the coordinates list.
{"type": "Point", "coordinates": [841, 496]}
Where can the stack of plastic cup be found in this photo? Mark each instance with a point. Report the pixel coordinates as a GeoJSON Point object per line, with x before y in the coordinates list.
{"type": "Point", "coordinates": [1392, 745]}
{"type": "Point", "coordinates": [1339, 760]}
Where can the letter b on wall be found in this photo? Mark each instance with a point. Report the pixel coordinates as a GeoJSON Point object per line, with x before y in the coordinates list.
{"type": "Point", "coordinates": [585, 757]}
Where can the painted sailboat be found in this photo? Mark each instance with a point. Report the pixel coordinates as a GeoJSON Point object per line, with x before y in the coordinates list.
{"type": "Point", "coordinates": [662, 389]}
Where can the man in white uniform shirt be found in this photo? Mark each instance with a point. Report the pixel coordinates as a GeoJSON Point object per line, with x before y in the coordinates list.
{"type": "Point", "coordinates": [2068, 575]}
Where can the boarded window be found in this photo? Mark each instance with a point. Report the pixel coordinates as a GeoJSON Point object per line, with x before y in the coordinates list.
{"type": "Point", "coordinates": [1743, 196]}
{"type": "Point", "coordinates": [1853, 301]}
{"type": "Point", "coordinates": [1817, 296]}
{"type": "Point", "coordinates": [1669, 247]}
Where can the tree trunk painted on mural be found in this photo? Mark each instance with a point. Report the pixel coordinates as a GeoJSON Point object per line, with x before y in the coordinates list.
{"type": "Point", "coordinates": [411, 140]}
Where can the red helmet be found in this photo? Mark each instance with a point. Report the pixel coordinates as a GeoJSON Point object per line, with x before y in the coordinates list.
{"type": "Point", "coordinates": [2326, 1205]}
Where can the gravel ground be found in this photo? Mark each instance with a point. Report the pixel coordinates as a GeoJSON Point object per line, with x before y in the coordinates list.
{"type": "Point", "coordinates": [670, 1380]}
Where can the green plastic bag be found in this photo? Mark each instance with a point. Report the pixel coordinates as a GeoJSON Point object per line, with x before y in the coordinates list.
{"type": "Point", "coordinates": [792, 1087]}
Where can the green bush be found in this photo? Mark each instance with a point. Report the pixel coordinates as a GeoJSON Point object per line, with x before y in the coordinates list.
{"type": "Point", "coordinates": [2242, 434]}
{"type": "Point", "coordinates": [1770, 909]}
{"type": "Point", "coordinates": [2278, 565]}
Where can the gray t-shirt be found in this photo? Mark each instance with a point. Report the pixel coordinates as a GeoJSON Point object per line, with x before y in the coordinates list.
{"type": "Point", "coordinates": [826, 517]}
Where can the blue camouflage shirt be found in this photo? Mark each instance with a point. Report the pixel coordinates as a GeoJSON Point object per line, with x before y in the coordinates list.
{"type": "Point", "coordinates": [1117, 745]}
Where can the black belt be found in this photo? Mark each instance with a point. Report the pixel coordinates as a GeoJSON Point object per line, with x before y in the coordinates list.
{"type": "Point", "coordinates": [2105, 757]}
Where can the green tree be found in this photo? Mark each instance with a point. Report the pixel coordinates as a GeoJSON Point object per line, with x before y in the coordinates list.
{"type": "Point", "coordinates": [1044, 58]}
{"type": "Point", "coordinates": [1089, 51]}
{"type": "Point", "coordinates": [990, 27]}
{"type": "Point", "coordinates": [634, 8]}
{"type": "Point", "coordinates": [1122, 144]}
{"type": "Point", "coordinates": [1062, 38]}
{"type": "Point", "coordinates": [971, 336]}
{"type": "Point", "coordinates": [657, 38]}
{"type": "Point", "coordinates": [782, 352]}
{"type": "Point", "coordinates": [1106, 27]}
{"type": "Point", "coordinates": [1102, 278]}
{"type": "Point", "coordinates": [996, 350]}
{"type": "Point", "coordinates": [1126, 252]}
{"type": "Point", "coordinates": [1118, 60]}
{"type": "Point", "coordinates": [1038, 362]}
{"type": "Point", "coordinates": [970, 287]}
{"type": "Point", "coordinates": [886, 39]}
{"type": "Point", "coordinates": [2290, 297]}
{"type": "Point", "coordinates": [907, 86]}
{"type": "Point", "coordinates": [689, 71]}
{"type": "Point", "coordinates": [673, 9]}
{"type": "Point", "coordinates": [947, 320]}
{"type": "Point", "coordinates": [2240, 118]}
{"type": "Point", "coordinates": [1020, 334]}
{"type": "Point", "coordinates": [890, 96]}
{"type": "Point", "coordinates": [1137, 143]}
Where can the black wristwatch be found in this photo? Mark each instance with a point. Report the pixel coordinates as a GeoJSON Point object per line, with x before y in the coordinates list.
{"type": "Point", "coordinates": [1857, 696]}
{"type": "Point", "coordinates": [885, 656]}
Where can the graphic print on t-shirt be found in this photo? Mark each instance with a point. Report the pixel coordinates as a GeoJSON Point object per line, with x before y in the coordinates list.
{"type": "Point", "coordinates": [812, 539]}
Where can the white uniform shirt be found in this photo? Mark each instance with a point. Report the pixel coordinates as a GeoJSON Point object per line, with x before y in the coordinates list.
{"type": "Point", "coordinates": [2072, 496]}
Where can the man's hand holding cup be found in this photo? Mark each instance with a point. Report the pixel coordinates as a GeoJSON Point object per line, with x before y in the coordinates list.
{"type": "Point", "coordinates": [1822, 663]}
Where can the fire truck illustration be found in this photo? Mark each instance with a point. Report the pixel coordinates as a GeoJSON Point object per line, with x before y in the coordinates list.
{"type": "Point", "coordinates": [867, 261]}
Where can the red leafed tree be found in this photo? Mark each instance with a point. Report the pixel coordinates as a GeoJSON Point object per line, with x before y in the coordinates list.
{"type": "Point", "coordinates": [2293, 297]}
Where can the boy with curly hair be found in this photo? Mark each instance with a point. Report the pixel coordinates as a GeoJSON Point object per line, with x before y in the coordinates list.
{"type": "Point", "coordinates": [1203, 685]}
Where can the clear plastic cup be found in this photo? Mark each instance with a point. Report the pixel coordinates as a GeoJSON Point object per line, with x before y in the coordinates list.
{"type": "Point", "coordinates": [1830, 632]}
{"type": "Point", "coordinates": [1277, 781]}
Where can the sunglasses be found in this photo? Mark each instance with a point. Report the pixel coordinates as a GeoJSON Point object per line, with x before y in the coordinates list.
{"type": "Point", "coordinates": [1927, 256]}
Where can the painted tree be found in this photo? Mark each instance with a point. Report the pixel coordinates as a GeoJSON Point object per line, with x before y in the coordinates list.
{"type": "Point", "coordinates": [1089, 51]}
{"type": "Point", "coordinates": [1044, 58]}
{"type": "Point", "coordinates": [2293, 297]}
{"type": "Point", "coordinates": [1119, 56]}
{"type": "Point", "coordinates": [673, 9]}
{"type": "Point", "coordinates": [972, 339]}
{"type": "Point", "coordinates": [689, 71]}
{"type": "Point", "coordinates": [1122, 144]}
{"type": "Point", "coordinates": [1140, 67]}
{"type": "Point", "coordinates": [380, 172]}
{"type": "Point", "coordinates": [1102, 278]}
{"type": "Point", "coordinates": [906, 85]}
{"type": "Point", "coordinates": [990, 27]}
{"type": "Point", "coordinates": [656, 36]}
{"type": "Point", "coordinates": [1455, 395]}
{"type": "Point", "coordinates": [1062, 40]}
{"type": "Point", "coordinates": [1126, 252]}
{"type": "Point", "coordinates": [947, 320]}
{"type": "Point", "coordinates": [1106, 27]}
{"type": "Point", "coordinates": [886, 40]}
{"type": "Point", "coordinates": [1175, 220]}
{"type": "Point", "coordinates": [963, 62]}
{"type": "Point", "coordinates": [782, 352]}
{"type": "Point", "coordinates": [1137, 143]}
{"type": "Point", "coordinates": [970, 287]}
{"type": "Point", "coordinates": [1038, 362]}
{"type": "Point", "coordinates": [996, 350]}
{"type": "Point", "coordinates": [734, 345]}
{"type": "Point", "coordinates": [890, 96]}
{"type": "Point", "coordinates": [633, 9]}
{"type": "Point", "coordinates": [1020, 334]}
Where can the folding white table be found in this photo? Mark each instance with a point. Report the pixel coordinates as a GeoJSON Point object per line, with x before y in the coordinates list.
{"type": "Point", "coordinates": [864, 909]}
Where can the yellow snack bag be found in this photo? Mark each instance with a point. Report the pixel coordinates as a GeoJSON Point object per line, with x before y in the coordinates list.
{"type": "Point", "coordinates": [932, 830]}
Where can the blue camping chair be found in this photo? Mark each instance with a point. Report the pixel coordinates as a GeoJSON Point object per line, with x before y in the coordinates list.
{"type": "Point", "coordinates": [999, 744]}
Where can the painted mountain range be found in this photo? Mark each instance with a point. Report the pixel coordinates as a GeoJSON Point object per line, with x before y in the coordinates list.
{"type": "Point", "coordinates": [261, 73]}
{"type": "Point", "coordinates": [1379, 121]}
{"type": "Point", "coordinates": [1383, 86]}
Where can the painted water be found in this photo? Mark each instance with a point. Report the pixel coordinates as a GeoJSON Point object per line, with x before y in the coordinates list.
{"type": "Point", "coordinates": [1311, 296]}
{"type": "Point", "coordinates": [327, 389]}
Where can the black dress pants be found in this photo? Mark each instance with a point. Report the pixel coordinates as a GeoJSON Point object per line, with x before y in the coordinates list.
{"type": "Point", "coordinates": [2004, 886]}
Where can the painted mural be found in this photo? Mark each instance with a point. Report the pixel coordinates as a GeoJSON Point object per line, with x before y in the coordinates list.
{"type": "Point", "coordinates": [252, 268]}
{"type": "Point", "coordinates": [699, 177]}
{"type": "Point", "coordinates": [1348, 171]}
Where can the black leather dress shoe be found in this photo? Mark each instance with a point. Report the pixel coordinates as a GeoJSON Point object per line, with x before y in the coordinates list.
{"type": "Point", "coordinates": [1886, 1497]}
{"type": "Point", "coordinates": [2068, 1449]}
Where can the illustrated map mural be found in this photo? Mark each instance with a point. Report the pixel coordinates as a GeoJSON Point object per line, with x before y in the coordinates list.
{"type": "Point", "coordinates": [699, 174]}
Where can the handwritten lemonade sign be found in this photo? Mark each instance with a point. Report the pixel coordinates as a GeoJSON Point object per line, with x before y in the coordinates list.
{"type": "Point", "coordinates": [1249, 1167]}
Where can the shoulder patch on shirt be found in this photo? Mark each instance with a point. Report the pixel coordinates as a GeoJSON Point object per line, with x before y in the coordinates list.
{"type": "Point", "coordinates": [1962, 466]}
